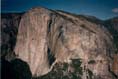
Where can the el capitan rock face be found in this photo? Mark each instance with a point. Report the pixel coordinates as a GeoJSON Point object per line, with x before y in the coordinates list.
{"type": "Point", "coordinates": [49, 40]}
{"type": "Point", "coordinates": [31, 43]}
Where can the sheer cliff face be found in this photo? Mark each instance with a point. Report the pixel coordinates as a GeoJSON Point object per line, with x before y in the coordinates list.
{"type": "Point", "coordinates": [46, 37]}
{"type": "Point", "coordinates": [31, 43]}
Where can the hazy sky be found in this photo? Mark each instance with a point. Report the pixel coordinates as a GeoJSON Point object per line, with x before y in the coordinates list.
{"type": "Point", "coordinates": [102, 9]}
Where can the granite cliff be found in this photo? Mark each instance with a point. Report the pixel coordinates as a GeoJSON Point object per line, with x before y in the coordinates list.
{"type": "Point", "coordinates": [58, 44]}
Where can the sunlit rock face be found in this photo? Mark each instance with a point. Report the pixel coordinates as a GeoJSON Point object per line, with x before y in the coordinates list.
{"type": "Point", "coordinates": [115, 65]}
{"type": "Point", "coordinates": [49, 40]}
{"type": "Point", "coordinates": [31, 43]}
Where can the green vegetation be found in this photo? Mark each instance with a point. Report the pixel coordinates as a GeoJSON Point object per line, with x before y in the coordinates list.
{"type": "Point", "coordinates": [61, 71]}
{"type": "Point", "coordinates": [76, 63]}
{"type": "Point", "coordinates": [90, 74]}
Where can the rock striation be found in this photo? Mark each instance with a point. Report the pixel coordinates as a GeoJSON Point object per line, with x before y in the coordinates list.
{"type": "Point", "coordinates": [48, 40]}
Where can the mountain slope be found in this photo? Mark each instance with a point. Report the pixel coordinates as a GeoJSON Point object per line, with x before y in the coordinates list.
{"type": "Point", "coordinates": [51, 42]}
{"type": "Point", "coordinates": [112, 26]}
{"type": "Point", "coordinates": [9, 28]}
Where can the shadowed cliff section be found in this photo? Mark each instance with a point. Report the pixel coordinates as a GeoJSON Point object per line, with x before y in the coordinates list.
{"type": "Point", "coordinates": [15, 69]}
{"type": "Point", "coordinates": [9, 29]}
{"type": "Point", "coordinates": [49, 40]}
{"type": "Point", "coordinates": [112, 25]}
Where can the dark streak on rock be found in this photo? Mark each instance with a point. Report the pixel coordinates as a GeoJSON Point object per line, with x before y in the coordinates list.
{"type": "Point", "coordinates": [51, 57]}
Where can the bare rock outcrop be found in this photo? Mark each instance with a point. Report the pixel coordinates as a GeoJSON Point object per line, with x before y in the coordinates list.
{"type": "Point", "coordinates": [31, 43]}
{"type": "Point", "coordinates": [49, 40]}
{"type": "Point", "coordinates": [114, 68]}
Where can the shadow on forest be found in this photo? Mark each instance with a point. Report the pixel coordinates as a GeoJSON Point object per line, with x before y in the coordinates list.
{"type": "Point", "coordinates": [16, 69]}
{"type": "Point", "coordinates": [11, 68]}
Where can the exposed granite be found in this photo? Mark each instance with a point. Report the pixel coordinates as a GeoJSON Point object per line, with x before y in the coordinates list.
{"type": "Point", "coordinates": [50, 40]}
